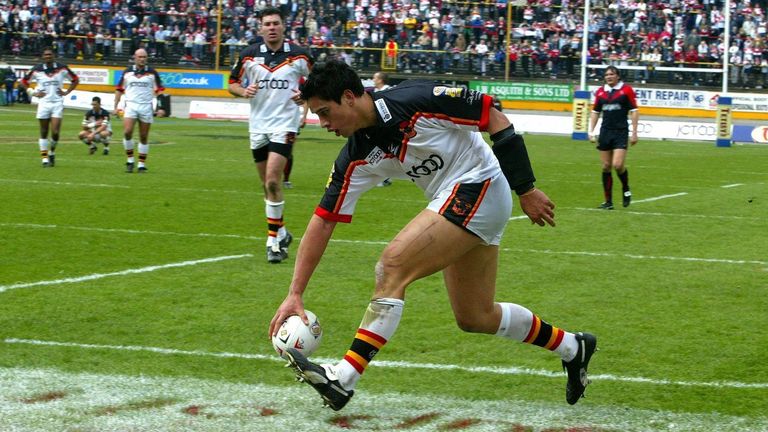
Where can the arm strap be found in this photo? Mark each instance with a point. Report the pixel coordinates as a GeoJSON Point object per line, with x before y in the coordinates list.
{"type": "Point", "coordinates": [509, 149]}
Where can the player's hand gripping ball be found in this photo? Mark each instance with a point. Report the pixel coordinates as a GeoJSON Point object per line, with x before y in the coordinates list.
{"type": "Point", "coordinates": [293, 333]}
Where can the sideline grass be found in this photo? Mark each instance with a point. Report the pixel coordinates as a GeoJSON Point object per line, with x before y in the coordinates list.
{"type": "Point", "coordinates": [674, 287]}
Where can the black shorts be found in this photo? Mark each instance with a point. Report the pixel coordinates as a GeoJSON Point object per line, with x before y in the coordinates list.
{"type": "Point", "coordinates": [613, 139]}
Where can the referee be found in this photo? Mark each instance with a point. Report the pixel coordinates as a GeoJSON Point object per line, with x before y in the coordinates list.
{"type": "Point", "coordinates": [616, 101]}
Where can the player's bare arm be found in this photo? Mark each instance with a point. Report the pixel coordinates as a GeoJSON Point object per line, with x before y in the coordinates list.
{"type": "Point", "coordinates": [634, 117]}
{"type": "Point", "coordinates": [311, 249]}
{"type": "Point", "coordinates": [236, 89]}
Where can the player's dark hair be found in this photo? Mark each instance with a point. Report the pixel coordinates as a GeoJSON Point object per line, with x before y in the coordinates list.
{"type": "Point", "coordinates": [328, 81]}
{"type": "Point", "coordinates": [614, 69]}
{"type": "Point", "coordinates": [48, 49]}
{"type": "Point", "coordinates": [96, 99]}
{"type": "Point", "coordinates": [272, 11]}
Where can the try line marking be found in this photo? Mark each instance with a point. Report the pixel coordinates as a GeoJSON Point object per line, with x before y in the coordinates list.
{"type": "Point", "coordinates": [399, 365]}
{"type": "Point", "coordinates": [382, 242]}
{"type": "Point", "coordinates": [95, 276]}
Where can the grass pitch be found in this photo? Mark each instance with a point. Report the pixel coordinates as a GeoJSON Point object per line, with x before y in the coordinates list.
{"type": "Point", "coordinates": [157, 286]}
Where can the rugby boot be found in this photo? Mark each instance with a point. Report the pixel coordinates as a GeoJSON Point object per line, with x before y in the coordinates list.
{"type": "Point", "coordinates": [320, 377]}
{"type": "Point", "coordinates": [577, 368]}
{"type": "Point", "coordinates": [626, 199]}
{"type": "Point", "coordinates": [276, 254]}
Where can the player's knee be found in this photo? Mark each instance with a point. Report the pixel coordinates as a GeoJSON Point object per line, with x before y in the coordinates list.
{"type": "Point", "coordinates": [273, 186]}
{"type": "Point", "coordinates": [390, 280]}
{"type": "Point", "coordinates": [619, 167]}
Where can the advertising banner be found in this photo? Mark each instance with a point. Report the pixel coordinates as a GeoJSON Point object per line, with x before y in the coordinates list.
{"type": "Point", "coordinates": [525, 91]}
{"type": "Point", "coordinates": [189, 80]}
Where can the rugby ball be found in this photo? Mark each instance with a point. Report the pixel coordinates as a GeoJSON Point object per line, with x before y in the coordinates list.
{"type": "Point", "coordinates": [293, 333]}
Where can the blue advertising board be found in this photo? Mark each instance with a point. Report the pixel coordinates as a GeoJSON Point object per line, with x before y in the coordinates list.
{"type": "Point", "coordinates": [189, 80]}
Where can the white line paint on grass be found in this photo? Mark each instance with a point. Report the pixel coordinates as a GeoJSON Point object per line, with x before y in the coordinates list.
{"type": "Point", "coordinates": [398, 365]}
{"type": "Point", "coordinates": [518, 217]}
{"type": "Point", "coordinates": [732, 185]}
{"type": "Point", "coordinates": [95, 276]}
{"type": "Point", "coordinates": [383, 242]}
{"type": "Point", "coordinates": [660, 197]}
{"type": "Point", "coordinates": [642, 257]}
{"type": "Point", "coordinates": [52, 400]}
{"type": "Point", "coordinates": [673, 215]}
{"type": "Point", "coordinates": [57, 183]}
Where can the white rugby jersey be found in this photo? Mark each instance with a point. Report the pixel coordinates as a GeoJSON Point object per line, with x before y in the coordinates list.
{"type": "Point", "coordinates": [278, 73]}
{"type": "Point", "coordinates": [50, 79]}
{"type": "Point", "coordinates": [140, 85]}
{"type": "Point", "coordinates": [425, 132]}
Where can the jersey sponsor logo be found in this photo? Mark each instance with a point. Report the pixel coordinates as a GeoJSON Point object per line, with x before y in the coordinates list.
{"type": "Point", "coordinates": [139, 84]}
{"type": "Point", "coordinates": [381, 106]}
{"type": "Point", "coordinates": [375, 156]}
{"type": "Point", "coordinates": [274, 84]}
{"type": "Point", "coordinates": [258, 60]}
{"type": "Point", "coordinates": [611, 107]}
{"type": "Point", "coordinates": [429, 165]}
{"type": "Point", "coordinates": [447, 91]}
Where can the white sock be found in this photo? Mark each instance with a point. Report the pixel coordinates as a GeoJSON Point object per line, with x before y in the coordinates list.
{"type": "Point", "coordinates": [274, 210]}
{"type": "Point", "coordinates": [516, 323]}
{"type": "Point", "coordinates": [128, 145]}
{"type": "Point", "coordinates": [143, 150]}
{"type": "Point", "coordinates": [381, 319]}
{"type": "Point", "coordinates": [43, 144]}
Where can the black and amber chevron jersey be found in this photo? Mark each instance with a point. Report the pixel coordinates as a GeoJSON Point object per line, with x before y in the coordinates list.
{"type": "Point", "coordinates": [278, 74]}
{"type": "Point", "coordinates": [615, 104]}
{"type": "Point", "coordinates": [140, 85]}
{"type": "Point", "coordinates": [425, 132]}
{"type": "Point", "coordinates": [50, 79]}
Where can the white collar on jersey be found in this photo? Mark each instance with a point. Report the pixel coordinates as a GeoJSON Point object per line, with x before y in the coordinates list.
{"type": "Point", "coordinates": [618, 86]}
{"type": "Point", "coordinates": [286, 47]}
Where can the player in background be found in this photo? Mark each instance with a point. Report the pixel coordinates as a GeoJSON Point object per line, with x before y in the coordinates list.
{"type": "Point", "coordinates": [430, 134]}
{"type": "Point", "coordinates": [49, 76]}
{"type": "Point", "coordinates": [96, 127]}
{"type": "Point", "coordinates": [268, 74]}
{"type": "Point", "coordinates": [139, 83]}
{"type": "Point", "coordinates": [302, 121]}
{"type": "Point", "coordinates": [616, 101]}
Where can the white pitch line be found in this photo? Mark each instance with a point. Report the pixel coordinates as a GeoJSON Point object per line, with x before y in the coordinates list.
{"type": "Point", "coordinates": [634, 256]}
{"type": "Point", "coordinates": [660, 197]}
{"type": "Point", "coordinates": [395, 364]}
{"type": "Point", "coordinates": [518, 217]}
{"type": "Point", "coordinates": [384, 242]}
{"type": "Point", "coordinates": [95, 276]}
{"type": "Point", "coordinates": [732, 185]}
{"type": "Point", "coordinates": [675, 215]}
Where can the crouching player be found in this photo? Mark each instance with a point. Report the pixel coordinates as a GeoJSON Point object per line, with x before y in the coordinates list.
{"type": "Point", "coordinates": [96, 127]}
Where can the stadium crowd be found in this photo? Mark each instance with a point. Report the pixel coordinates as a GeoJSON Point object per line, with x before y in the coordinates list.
{"type": "Point", "coordinates": [421, 36]}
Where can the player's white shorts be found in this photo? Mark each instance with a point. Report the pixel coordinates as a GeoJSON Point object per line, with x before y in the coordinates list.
{"type": "Point", "coordinates": [47, 110]}
{"type": "Point", "coordinates": [259, 140]}
{"type": "Point", "coordinates": [143, 112]}
{"type": "Point", "coordinates": [482, 208]}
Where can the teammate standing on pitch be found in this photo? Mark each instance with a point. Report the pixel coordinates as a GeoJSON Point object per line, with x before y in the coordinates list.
{"type": "Point", "coordinates": [616, 101]}
{"type": "Point", "coordinates": [268, 73]}
{"type": "Point", "coordinates": [431, 135]}
{"type": "Point", "coordinates": [49, 76]}
{"type": "Point", "coordinates": [140, 84]}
